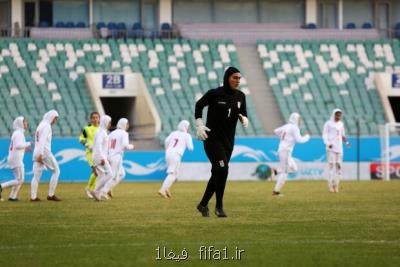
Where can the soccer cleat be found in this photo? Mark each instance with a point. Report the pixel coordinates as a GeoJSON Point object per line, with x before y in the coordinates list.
{"type": "Point", "coordinates": [35, 200]}
{"type": "Point", "coordinates": [13, 199]}
{"type": "Point", "coordinates": [110, 194]}
{"type": "Point", "coordinates": [163, 194]}
{"type": "Point", "coordinates": [96, 195]}
{"type": "Point", "coordinates": [168, 193]}
{"type": "Point", "coordinates": [87, 191]}
{"type": "Point", "coordinates": [53, 198]}
{"type": "Point", "coordinates": [220, 213]}
{"type": "Point", "coordinates": [277, 194]}
{"type": "Point", "coordinates": [203, 210]}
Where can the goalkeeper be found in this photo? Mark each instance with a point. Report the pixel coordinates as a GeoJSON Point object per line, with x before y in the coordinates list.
{"type": "Point", "coordinates": [86, 138]}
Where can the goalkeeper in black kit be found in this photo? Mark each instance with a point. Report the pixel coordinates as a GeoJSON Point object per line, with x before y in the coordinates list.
{"type": "Point", "coordinates": [226, 105]}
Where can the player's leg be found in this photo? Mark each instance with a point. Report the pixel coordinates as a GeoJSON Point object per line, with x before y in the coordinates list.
{"type": "Point", "coordinates": [223, 170]}
{"type": "Point", "coordinates": [331, 170]}
{"type": "Point", "coordinates": [55, 169]}
{"type": "Point", "coordinates": [10, 183]}
{"type": "Point", "coordinates": [19, 174]}
{"type": "Point", "coordinates": [212, 150]}
{"type": "Point", "coordinates": [37, 173]}
{"type": "Point", "coordinates": [104, 173]}
{"type": "Point", "coordinates": [115, 164]}
{"type": "Point", "coordinates": [282, 172]}
{"type": "Point", "coordinates": [173, 160]}
{"type": "Point", "coordinates": [338, 171]}
{"type": "Point", "coordinates": [92, 179]}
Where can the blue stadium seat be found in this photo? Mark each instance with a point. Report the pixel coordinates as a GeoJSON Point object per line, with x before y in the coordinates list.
{"type": "Point", "coordinates": [43, 24]}
{"type": "Point", "coordinates": [81, 24]}
{"type": "Point", "coordinates": [311, 26]}
{"type": "Point", "coordinates": [101, 25]}
{"type": "Point", "coordinates": [367, 25]}
{"type": "Point", "coordinates": [60, 24]}
{"type": "Point", "coordinates": [350, 26]}
{"type": "Point", "coordinates": [69, 24]}
{"type": "Point", "coordinates": [397, 30]}
{"type": "Point", "coordinates": [166, 30]}
{"type": "Point", "coordinates": [137, 30]}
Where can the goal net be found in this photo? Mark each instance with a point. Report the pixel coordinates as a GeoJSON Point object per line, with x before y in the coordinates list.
{"type": "Point", "coordinates": [390, 151]}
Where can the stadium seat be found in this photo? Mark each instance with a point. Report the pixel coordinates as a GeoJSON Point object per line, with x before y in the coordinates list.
{"type": "Point", "coordinates": [81, 24]}
{"type": "Point", "coordinates": [44, 24]}
{"type": "Point", "coordinates": [367, 25]}
{"type": "Point", "coordinates": [69, 24]}
{"type": "Point", "coordinates": [60, 24]}
{"type": "Point", "coordinates": [338, 72]}
{"type": "Point", "coordinates": [351, 25]}
{"type": "Point", "coordinates": [311, 26]}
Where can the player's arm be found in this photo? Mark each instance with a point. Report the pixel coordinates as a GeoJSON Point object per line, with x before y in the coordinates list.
{"type": "Point", "coordinates": [344, 138]}
{"type": "Point", "coordinates": [189, 142]}
{"type": "Point", "coordinates": [19, 141]}
{"type": "Point", "coordinates": [126, 142]}
{"type": "Point", "coordinates": [299, 138]}
{"type": "Point", "coordinates": [41, 138]}
{"type": "Point", "coordinates": [83, 137]}
{"type": "Point", "coordinates": [278, 131]}
{"type": "Point", "coordinates": [198, 114]}
{"type": "Point", "coordinates": [167, 141]}
{"type": "Point", "coordinates": [325, 136]}
{"type": "Point", "coordinates": [243, 113]}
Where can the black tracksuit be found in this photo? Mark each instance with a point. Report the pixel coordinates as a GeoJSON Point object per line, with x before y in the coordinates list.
{"type": "Point", "coordinates": [224, 106]}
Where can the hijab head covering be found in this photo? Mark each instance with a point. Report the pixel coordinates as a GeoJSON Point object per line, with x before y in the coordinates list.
{"type": "Point", "coordinates": [183, 126]}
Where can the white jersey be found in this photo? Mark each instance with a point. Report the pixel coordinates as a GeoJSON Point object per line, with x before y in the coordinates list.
{"type": "Point", "coordinates": [333, 134]}
{"type": "Point", "coordinates": [177, 142]}
{"type": "Point", "coordinates": [289, 134]}
{"type": "Point", "coordinates": [43, 135]}
{"type": "Point", "coordinates": [17, 149]}
{"type": "Point", "coordinates": [118, 142]}
{"type": "Point", "coordinates": [100, 142]}
{"type": "Point", "coordinates": [100, 145]}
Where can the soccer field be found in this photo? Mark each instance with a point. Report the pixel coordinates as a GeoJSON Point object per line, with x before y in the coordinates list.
{"type": "Point", "coordinates": [307, 227]}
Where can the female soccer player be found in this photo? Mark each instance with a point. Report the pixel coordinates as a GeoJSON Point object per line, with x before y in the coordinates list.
{"type": "Point", "coordinates": [118, 143]}
{"type": "Point", "coordinates": [44, 158]}
{"type": "Point", "coordinates": [100, 155]}
{"type": "Point", "coordinates": [333, 136]}
{"type": "Point", "coordinates": [226, 105]}
{"type": "Point", "coordinates": [15, 159]}
{"type": "Point", "coordinates": [86, 138]}
{"type": "Point", "coordinates": [289, 135]}
{"type": "Point", "coordinates": [175, 145]}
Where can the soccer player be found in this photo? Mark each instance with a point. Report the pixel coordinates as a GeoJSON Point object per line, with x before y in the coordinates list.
{"type": "Point", "coordinates": [118, 143]}
{"type": "Point", "coordinates": [333, 136]}
{"type": "Point", "coordinates": [175, 145]}
{"type": "Point", "coordinates": [15, 159]}
{"type": "Point", "coordinates": [100, 155]}
{"type": "Point", "coordinates": [289, 135]}
{"type": "Point", "coordinates": [86, 138]}
{"type": "Point", "coordinates": [44, 158]}
{"type": "Point", "coordinates": [226, 105]}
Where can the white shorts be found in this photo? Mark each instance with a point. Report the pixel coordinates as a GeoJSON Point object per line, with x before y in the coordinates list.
{"type": "Point", "coordinates": [173, 162]}
{"type": "Point", "coordinates": [286, 162]}
{"type": "Point", "coordinates": [334, 157]}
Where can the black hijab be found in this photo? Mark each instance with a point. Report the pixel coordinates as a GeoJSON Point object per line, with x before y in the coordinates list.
{"type": "Point", "coordinates": [228, 73]}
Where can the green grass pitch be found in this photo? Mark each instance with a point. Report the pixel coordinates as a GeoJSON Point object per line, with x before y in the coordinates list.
{"type": "Point", "coordinates": [360, 226]}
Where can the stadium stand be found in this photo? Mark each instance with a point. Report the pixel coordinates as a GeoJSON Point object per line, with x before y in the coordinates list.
{"type": "Point", "coordinates": [37, 75]}
{"type": "Point", "coordinates": [340, 73]}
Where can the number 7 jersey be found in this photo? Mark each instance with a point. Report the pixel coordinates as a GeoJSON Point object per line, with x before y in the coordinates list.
{"type": "Point", "coordinates": [177, 142]}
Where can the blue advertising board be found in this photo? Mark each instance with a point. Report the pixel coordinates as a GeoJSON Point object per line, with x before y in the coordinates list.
{"type": "Point", "coordinates": [150, 165]}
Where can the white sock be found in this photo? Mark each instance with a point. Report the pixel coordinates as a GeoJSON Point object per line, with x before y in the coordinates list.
{"type": "Point", "coordinates": [280, 181]}
{"type": "Point", "coordinates": [338, 177]}
{"type": "Point", "coordinates": [169, 180]}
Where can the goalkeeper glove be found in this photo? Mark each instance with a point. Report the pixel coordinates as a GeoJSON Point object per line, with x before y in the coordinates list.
{"type": "Point", "coordinates": [201, 130]}
{"type": "Point", "coordinates": [244, 120]}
